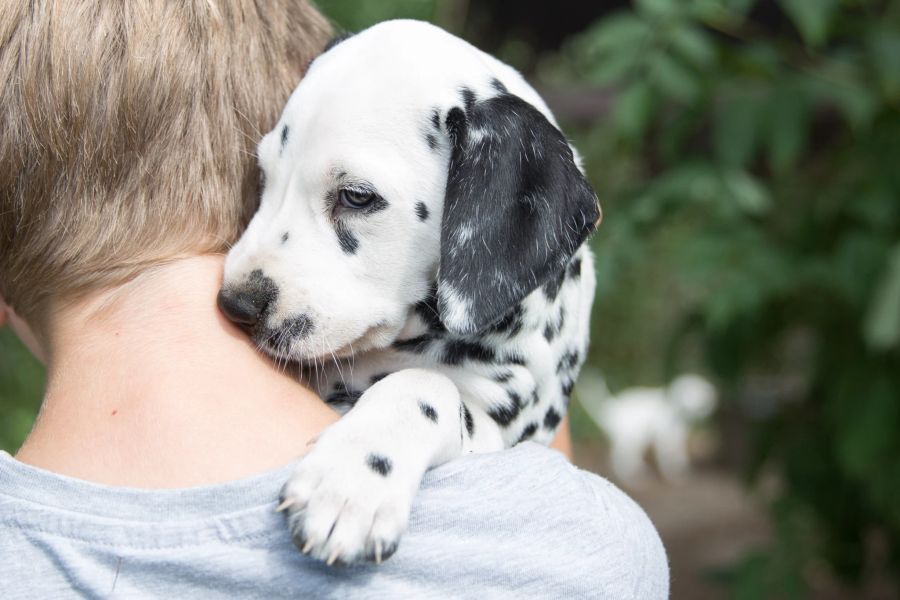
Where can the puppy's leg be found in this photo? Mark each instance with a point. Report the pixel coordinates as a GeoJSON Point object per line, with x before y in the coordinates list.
{"type": "Point", "coordinates": [349, 499]}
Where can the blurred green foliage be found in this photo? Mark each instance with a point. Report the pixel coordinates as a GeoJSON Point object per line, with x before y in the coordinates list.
{"type": "Point", "coordinates": [21, 386]}
{"type": "Point", "coordinates": [748, 168]}
{"type": "Point", "coordinates": [751, 159]}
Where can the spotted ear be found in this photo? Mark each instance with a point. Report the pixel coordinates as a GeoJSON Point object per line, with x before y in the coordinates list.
{"type": "Point", "coordinates": [516, 209]}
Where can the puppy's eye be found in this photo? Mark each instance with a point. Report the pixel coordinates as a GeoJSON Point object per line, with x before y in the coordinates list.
{"type": "Point", "coordinates": [355, 198]}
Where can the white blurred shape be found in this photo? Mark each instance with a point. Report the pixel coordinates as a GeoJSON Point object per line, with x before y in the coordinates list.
{"type": "Point", "coordinates": [642, 419]}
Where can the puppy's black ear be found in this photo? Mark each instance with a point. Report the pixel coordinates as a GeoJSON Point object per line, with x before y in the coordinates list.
{"type": "Point", "coordinates": [515, 211]}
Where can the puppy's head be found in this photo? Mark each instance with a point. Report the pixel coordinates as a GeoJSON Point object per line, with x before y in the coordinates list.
{"type": "Point", "coordinates": [406, 159]}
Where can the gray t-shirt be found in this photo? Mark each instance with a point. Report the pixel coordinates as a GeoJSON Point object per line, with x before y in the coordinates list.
{"type": "Point", "coordinates": [522, 523]}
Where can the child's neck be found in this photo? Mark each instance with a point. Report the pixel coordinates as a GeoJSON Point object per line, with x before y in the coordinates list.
{"type": "Point", "coordinates": [149, 386]}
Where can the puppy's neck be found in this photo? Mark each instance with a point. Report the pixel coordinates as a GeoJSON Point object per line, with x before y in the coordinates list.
{"type": "Point", "coordinates": [149, 386]}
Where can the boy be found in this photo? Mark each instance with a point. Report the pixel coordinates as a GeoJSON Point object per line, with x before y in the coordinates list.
{"type": "Point", "coordinates": [126, 169]}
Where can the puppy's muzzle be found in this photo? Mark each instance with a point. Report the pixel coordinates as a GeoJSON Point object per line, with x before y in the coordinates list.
{"type": "Point", "coordinates": [242, 307]}
{"type": "Point", "coordinates": [248, 305]}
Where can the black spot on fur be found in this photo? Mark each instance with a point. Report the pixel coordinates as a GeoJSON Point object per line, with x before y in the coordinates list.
{"type": "Point", "coordinates": [554, 326]}
{"type": "Point", "coordinates": [568, 362]}
{"type": "Point", "coordinates": [458, 350]}
{"type": "Point", "coordinates": [575, 268]}
{"type": "Point", "coordinates": [527, 432]}
{"type": "Point", "coordinates": [552, 418]}
{"type": "Point", "coordinates": [377, 377]}
{"type": "Point", "coordinates": [380, 464]}
{"type": "Point", "coordinates": [417, 345]}
{"type": "Point", "coordinates": [436, 118]}
{"type": "Point", "coordinates": [470, 421]}
{"type": "Point", "coordinates": [348, 241]}
{"type": "Point", "coordinates": [567, 386]}
{"type": "Point", "coordinates": [498, 85]}
{"type": "Point", "coordinates": [552, 286]}
{"type": "Point", "coordinates": [468, 97]}
{"type": "Point", "coordinates": [284, 237]}
{"type": "Point", "coordinates": [549, 331]}
{"type": "Point", "coordinates": [284, 136]}
{"type": "Point", "coordinates": [432, 141]}
{"type": "Point", "coordinates": [421, 211]}
{"type": "Point", "coordinates": [297, 328]}
{"type": "Point", "coordinates": [513, 359]}
{"type": "Point", "coordinates": [428, 411]}
{"type": "Point", "coordinates": [510, 323]}
{"type": "Point", "coordinates": [427, 310]}
{"type": "Point", "coordinates": [343, 396]}
{"type": "Point", "coordinates": [290, 330]}
{"type": "Point", "coordinates": [503, 376]}
{"type": "Point", "coordinates": [504, 415]}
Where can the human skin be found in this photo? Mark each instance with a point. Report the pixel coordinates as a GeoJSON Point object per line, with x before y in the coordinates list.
{"type": "Point", "coordinates": [149, 386]}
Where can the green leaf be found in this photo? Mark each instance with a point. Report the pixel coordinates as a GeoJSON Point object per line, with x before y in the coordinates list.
{"type": "Point", "coordinates": [615, 68]}
{"type": "Point", "coordinates": [633, 110]}
{"type": "Point", "coordinates": [748, 193]}
{"type": "Point", "coordinates": [857, 104]}
{"type": "Point", "coordinates": [811, 17]}
{"type": "Point", "coordinates": [788, 126]}
{"type": "Point", "coordinates": [614, 34]}
{"type": "Point", "coordinates": [736, 127]}
{"type": "Point", "coordinates": [672, 78]}
{"type": "Point", "coordinates": [881, 327]}
{"type": "Point", "coordinates": [868, 415]}
{"type": "Point", "coordinates": [613, 49]}
{"type": "Point", "coordinates": [693, 45]}
{"type": "Point", "coordinates": [720, 10]}
{"type": "Point", "coordinates": [883, 46]}
{"type": "Point", "coordinates": [658, 8]}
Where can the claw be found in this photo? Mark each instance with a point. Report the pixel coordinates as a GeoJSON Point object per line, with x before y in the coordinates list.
{"type": "Point", "coordinates": [307, 547]}
{"type": "Point", "coordinates": [285, 504]}
{"type": "Point", "coordinates": [378, 552]}
{"type": "Point", "coordinates": [332, 558]}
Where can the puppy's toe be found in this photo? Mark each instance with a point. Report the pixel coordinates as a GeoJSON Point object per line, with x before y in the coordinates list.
{"type": "Point", "coordinates": [388, 525]}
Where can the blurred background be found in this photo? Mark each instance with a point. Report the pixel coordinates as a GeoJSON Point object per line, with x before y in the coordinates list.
{"type": "Point", "coordinates": [747, 158]}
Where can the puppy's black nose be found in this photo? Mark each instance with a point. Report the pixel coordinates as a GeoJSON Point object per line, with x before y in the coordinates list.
{"type": "Point", "coordinates": [242, 307]}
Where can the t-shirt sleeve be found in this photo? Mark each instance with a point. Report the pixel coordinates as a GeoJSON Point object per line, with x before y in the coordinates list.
{"type": "Point", "coordinates": [526, 523]}
{"type": "Point", "coordinates": [634, 559]}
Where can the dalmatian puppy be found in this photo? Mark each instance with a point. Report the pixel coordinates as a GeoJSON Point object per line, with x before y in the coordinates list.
{"type": "Point", "coordinates": [420, 250]}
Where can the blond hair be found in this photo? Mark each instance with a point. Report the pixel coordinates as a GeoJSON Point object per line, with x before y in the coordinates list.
{"type": "Point", "coordinates": [128, 133]}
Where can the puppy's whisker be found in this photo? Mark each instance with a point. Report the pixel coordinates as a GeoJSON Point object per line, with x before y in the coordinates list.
{"type": "Point", "coordinates": [352, 361]}
{"type": "Point", "coordinates": [335, 361]}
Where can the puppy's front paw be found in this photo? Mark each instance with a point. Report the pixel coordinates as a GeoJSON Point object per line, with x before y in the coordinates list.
{"type": "Point", "coordinates": [346, 506]}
